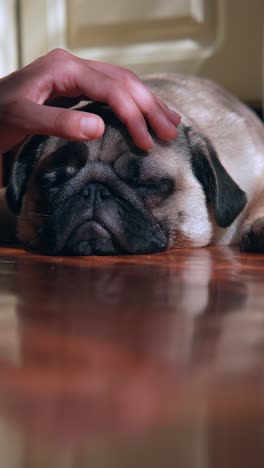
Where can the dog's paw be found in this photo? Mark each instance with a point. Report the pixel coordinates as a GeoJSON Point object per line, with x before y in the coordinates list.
{"type": "Point", "coordinates": [252, 239]}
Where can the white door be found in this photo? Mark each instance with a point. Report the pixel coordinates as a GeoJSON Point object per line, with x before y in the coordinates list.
{"type": "Point", "coordinates": [144, 35]}
{"type": "Point", "coordinates": [8, 36]}
{"type": "Point", "coordinates": [220, 39]}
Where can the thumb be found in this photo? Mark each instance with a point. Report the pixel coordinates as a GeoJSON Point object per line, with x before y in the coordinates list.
{"type": "Point", "coordinates": [44, 120]}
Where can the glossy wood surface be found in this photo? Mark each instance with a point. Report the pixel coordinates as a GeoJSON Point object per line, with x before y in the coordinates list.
{"type": "Point", "coordinates": [119, 362]}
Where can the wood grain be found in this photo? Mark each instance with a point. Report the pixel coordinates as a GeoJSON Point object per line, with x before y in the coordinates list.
{"type": "Point", "coordinates": [147, 361]}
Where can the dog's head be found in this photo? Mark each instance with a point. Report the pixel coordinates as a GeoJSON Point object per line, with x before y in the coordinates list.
{"type": "Point", "coordinates": [108, 197]}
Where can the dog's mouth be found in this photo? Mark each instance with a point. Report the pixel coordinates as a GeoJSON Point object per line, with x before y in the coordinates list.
{"type": "Point", "coordinates": [91, 238]}
{"type": "Point", "coordinates": [109, 228]}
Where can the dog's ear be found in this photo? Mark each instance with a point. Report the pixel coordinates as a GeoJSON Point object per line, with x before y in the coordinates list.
{"type": "Point", "coordinates": [22, 168]}
{"type": "Point", "coordinates": [221, 191]}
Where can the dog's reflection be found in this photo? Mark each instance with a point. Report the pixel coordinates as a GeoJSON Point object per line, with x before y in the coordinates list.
{"type": "Point", "coordinates": [153, 307]}
{"type": "Point", "coordinates": [106, 346]}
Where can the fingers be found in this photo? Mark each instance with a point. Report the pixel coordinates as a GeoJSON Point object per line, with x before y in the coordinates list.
{"type": "Point", "coordinates": [129, 113]}
{"type": "Point", "coordinates": [123, 91]}
{"type": "Point", "coordinates": [100, 87]}
{"type": "Point", "coordinates": [33, 118]}
{"type": "Point", "coordinates": [174, 117]}
{"type": "Point", "coordinates": [59, 73]}
{"type": "Point", "coordinates": [137, 108]}
{"type": "Point", "coordinates": [132, 106]}
{"type": "Point", "coordinates": [157, 115]}
{"type": "Point", "coordinates": [161, 118]}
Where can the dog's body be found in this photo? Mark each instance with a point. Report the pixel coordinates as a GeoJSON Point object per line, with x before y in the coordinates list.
{"type": "Point", "coordinates": [236, 134]}
{"type": "Point", "coordinates": [107, 197]}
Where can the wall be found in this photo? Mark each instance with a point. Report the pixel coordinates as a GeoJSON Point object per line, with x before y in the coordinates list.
{"type": "Point", "coordinates": [238, 60]}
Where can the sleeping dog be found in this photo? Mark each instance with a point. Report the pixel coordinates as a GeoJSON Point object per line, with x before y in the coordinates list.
{"type": "Point", "coordinates": [109, 197]}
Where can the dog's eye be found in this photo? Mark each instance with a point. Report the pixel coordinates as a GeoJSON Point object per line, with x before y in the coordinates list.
{"type": "Point", "coordinates": [153, 192]}
{"type": "Point", "coordinates": [57, 176]}
{"type": "Point", "coordinates": [163, 187]}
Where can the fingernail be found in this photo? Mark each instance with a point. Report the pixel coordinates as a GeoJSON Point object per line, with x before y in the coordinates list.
{"type": "Point", "coordinates": [148, 142]}
{"type": "Point", "coordinates": [91, 127]}
{"type": "Point", "coordinates": [171, 132]}
{"type": "Point", "coordinates": [176, 118]}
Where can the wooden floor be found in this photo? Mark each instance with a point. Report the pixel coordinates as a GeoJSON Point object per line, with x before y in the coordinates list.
{"type": "Point", "coordinates": [117, 362]}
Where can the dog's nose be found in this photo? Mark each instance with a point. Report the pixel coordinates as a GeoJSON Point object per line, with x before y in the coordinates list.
{"type": "Point", "coordinates": [95, 192]}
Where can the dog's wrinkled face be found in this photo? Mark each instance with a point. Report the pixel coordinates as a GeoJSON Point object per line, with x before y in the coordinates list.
{"type": "Point", "coordinates": [108, 197]}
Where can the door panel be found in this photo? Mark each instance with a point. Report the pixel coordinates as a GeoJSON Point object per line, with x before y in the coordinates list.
{"type": "Point", "coordinates": [8, 36]}
{"type": "Point", "coordinates": [145, 36]}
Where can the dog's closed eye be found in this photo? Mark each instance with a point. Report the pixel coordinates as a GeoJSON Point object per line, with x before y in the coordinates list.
{"type": "Point", "coordinates": [56, 177]}
{"type": "Point", "coordinates": [163, 186]}
{"type": "Point", "coordinates": [156, 189]}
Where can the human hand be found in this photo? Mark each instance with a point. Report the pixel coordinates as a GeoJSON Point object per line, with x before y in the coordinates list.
{"type": "Point", "coordinates": [58, 73]}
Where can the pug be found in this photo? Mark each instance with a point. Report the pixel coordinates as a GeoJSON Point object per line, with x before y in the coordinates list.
{"type": "Point", "coordinates": [108, 197]}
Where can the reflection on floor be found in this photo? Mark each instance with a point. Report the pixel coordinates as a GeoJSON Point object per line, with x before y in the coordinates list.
{"type": "Point", "coordinates": [148, 361]}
